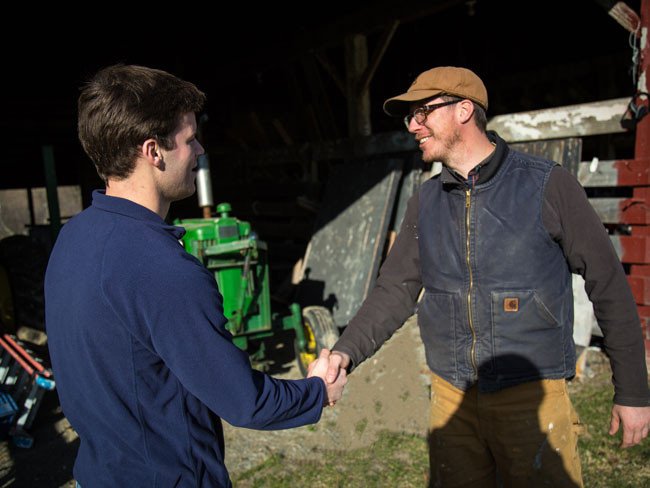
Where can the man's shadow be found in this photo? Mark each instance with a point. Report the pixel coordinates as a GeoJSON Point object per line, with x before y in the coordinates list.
{"type": "Point", "coordinates": [312, 292]}
{"type": "Point", "coordinates": [519, 430]}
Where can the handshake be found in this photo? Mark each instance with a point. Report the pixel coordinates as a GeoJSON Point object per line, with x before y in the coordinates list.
{"type": "Point", "coordinates": [331, 368]}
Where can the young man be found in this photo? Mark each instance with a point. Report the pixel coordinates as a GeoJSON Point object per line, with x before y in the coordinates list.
{"type": "Point", "coordinates": [144, 365]}
{"type": "Point", "coordinates": [493, 241]}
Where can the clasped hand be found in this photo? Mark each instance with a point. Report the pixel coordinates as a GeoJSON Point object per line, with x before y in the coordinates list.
{"type": "Point", "coordinates": [323, 368]}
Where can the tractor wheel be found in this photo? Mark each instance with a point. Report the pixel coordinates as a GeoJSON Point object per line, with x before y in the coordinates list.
{"type": "Point", "coordinates": [320, 332]}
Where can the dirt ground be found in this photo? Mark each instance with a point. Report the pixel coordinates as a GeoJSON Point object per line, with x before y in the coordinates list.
{"type": "Point", "coordinates": [389, 391]}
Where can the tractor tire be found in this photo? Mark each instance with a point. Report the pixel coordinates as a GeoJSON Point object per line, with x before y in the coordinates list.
{"type": "Point", "coordinates": [320, 332]}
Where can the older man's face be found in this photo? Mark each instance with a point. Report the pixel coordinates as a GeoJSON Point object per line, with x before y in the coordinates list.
{"type": "Point", "coordinates": [438, 135]}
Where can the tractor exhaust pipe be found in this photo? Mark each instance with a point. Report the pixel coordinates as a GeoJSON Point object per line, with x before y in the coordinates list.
{"type": "Point", "coordinates": [204, 186]}
{"type": "Point", "coordinates": [203, 179]}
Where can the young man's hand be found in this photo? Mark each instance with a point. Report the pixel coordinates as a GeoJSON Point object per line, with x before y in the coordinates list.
{"type": "Point", "coordinates": [320, 368]}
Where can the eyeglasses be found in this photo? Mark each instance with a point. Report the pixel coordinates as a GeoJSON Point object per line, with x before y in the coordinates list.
{"type": "Point", "coordinates": [420, 114]}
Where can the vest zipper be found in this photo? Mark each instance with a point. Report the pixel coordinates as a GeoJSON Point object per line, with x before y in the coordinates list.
{"type": "Point", "coordinates": [471, 282]}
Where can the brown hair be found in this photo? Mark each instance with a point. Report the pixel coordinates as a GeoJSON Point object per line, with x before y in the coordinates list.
{"type": "Point", "coordinates": [122, 106]}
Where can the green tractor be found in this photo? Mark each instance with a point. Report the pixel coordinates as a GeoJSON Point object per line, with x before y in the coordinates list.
{"type": "Point", "coordinates": [231, 250]}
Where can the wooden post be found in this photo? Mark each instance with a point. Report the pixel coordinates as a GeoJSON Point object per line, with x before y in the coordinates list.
{"type": "Point", "coordinates": [52, 195]}
{"type": "Point", "coordinates": [356, 62]}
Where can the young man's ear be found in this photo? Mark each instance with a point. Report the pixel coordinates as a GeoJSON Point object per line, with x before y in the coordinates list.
{"type": "Point", "coordinates": [150, 151]}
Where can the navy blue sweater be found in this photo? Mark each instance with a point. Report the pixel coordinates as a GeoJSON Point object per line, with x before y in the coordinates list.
{"type": "Point", "coordinates": [142, 358]}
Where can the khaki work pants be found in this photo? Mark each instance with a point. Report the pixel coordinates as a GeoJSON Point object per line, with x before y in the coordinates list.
{"type": "Point", "coordinates": [522, 436]}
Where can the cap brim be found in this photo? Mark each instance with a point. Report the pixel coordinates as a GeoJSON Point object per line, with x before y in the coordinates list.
{"type": "Point", "coordinates": [400, 105]}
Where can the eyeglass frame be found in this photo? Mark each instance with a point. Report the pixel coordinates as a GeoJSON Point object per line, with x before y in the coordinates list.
{"type": "Point", "coordinates": [426, 110]}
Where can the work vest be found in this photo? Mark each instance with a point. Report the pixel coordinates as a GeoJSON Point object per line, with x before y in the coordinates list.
{"type": "Point", "coordinates": [497, 307]}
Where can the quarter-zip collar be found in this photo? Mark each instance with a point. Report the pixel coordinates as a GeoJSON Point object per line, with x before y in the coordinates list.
{"type": "Point", "coordinates": [134, 210]}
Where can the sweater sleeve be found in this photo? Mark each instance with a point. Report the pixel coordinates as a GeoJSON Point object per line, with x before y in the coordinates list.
{"type": "Point", "coordinates": [572, 222]}
{"type": "Point", "coordinates": [392, 299]}
{"type": "Point", "coordinates": [174, 308]}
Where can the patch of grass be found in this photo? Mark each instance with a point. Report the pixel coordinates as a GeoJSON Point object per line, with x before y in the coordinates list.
{"type": "Point", "coordinates": [604, 464]}
{"type": "Point", "coordinates": [402, 460]}
{"type": "Point", "coordinates": [271, 463]}
{"type": "Point", "coordinates": [360, 426]}
{"type": "Point", "coordinates": [378, 407]}
{"type": "Point", "coordinates": [393, 460]}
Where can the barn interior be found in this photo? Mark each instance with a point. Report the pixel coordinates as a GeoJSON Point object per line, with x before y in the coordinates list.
{"type": "Point", "coordinates": [293, 126]}
{"type": "Point", "coordinates": [296, 92]}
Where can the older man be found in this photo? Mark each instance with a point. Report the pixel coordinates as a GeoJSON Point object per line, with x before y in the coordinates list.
{"type": "Point", "coordinates": [493, 241]}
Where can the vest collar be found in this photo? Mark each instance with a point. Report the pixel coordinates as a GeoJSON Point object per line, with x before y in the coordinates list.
{"type": "Point", "coordinates": [486, 169]}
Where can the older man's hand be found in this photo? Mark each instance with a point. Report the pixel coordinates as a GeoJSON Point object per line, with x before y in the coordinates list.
{"type": "Point", "coordinates": [320, 368]}
{"type": "Point", "coordinates": [635, 421]}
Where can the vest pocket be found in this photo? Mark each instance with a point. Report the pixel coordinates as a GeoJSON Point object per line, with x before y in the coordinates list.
{"type": "Point", "coordinates": [437, 320]}
{"type": "Point", "coordinates": [528, 340]}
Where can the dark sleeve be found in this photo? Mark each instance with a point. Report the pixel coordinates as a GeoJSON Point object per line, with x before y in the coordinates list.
{"type": "Point", "coordinates": [392, 299]}
{"type": "Point", "coordinates": [573, 223]}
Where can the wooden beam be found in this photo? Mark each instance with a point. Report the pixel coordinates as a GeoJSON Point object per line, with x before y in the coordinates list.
{"type": "Point", "coordinates": [282, 132]}
{"type": "Point", "coordinates": [319, 97]}
{"type": "Point", "coordinates": [259, 129]}
{"type": "Point", "coordinates": [625, 16]}
{"type": "Point", "coordinates": [298, 104]}
{"type": "Point", "coordinates": [622, 210]}
{"type": "Point", "coordinates": [362, 20]}
{"type": "Point", "coordinates": [631, 172]}
{"type": "Point", "coordinates": [632, 249]}
{"type": "Point", "coordinates": [376, 144]}
{"type": "Point", "coordinates": [332, 71]}
{"type": "Point", "coordinates": [378, 54]}
{"type": "Point", "coordinates": [313, 122]}
{"type": "Point", "coordinates": [356, 62]}
{"type": "Point", "coordinates": [595, 173]}
{"type": "Point", "coordinates": [586, 119]}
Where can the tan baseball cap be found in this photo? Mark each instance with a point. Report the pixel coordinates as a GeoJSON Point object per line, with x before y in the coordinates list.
{"type": "Point", "coordinates": [448, 80]}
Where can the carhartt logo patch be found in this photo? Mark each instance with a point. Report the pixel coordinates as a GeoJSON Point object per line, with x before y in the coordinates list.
{"type": "Point", "coordinates": [511, 304]}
